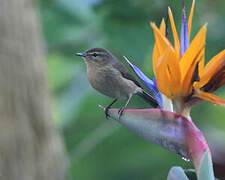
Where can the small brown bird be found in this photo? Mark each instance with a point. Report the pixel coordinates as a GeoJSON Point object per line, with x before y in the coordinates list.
{"type": "Point", "coordinates": [110, 77]}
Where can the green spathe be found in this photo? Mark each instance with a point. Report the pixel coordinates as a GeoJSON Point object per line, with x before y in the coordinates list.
{"type": "Point", "coordinates": [177, 173]}
{"type": "Point", "coordinates": [206, 168]}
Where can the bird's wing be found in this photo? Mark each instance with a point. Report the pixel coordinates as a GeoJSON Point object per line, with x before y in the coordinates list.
{"type": "Point", "coordinates": [125, 73]}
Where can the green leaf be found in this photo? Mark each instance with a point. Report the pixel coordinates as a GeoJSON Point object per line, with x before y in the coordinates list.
{"type": "Point", "coordinates": [177, 173]}
{"type": "Point", "coordinates": [206, 168]}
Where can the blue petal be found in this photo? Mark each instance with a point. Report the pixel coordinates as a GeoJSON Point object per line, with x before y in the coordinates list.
{"type": "Point", "coordinates": [155, 84]}
{"type": "Point", "coordinates": [149, 84]}
{"type": "Point", "coordinates": [159, 99]}
{"type": "Point", "coordinates": [159, 95]}
{"type": "Point", "coordinates": [184, 38]}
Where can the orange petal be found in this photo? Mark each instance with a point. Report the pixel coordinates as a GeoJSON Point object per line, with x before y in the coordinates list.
{"type": "Point", "coordinates": [195, 48]}
{"type": "Point", "coordinates": [162, 75]}
{"type": "Point", "coordinates": [162, 27]}
{"type": "Point", "coordinates": [188, 78]}
{"type": "Point", "coordinates": [190, 18]}
{"type": "Point", "coordinates": [217, 80]}
{"type": "Point", "coordinates": [168, 74]}
{"type": "Point", "coordinates": [190, 59]}
{"type": "Point", "coordinates": [175, 35]}
{"type": "Point", "coordinates": [210, 97]}
{"type": "Point", "coordinates": [161, 40]}
{"type": "Point", "coordinates": [175, 74]}
{"type": "Point", "coordinates": [202, 62]}
{"type": "Point", "coordinates": [215, 64]}
{"type": "Point", "coordinates": [161, 45]}
{"type": "Point", "coordinates": [155, 58]}
{"type": "Point", "coordinates": [156, 54]}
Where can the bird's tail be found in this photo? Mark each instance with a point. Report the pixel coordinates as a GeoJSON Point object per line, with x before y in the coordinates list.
{"type": "Point", "coordinates": [148, 98]}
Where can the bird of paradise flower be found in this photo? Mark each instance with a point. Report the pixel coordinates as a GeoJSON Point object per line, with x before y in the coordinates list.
{"type": "Point", "coordinates": [181, 81]}
{"type": "Point", "coordinates": [181, 76]}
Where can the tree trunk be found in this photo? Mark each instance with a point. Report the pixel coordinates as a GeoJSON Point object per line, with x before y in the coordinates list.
{"type": "Point", "coordinates": [30, 146]}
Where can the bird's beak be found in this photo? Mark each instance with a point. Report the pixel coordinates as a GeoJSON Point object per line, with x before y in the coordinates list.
{"type": "Point", "coordinates": [80, 54]}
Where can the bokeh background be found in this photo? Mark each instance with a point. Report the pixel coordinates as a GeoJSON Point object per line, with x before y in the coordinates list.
{"type": "Point", "coordinates": [99, 148]}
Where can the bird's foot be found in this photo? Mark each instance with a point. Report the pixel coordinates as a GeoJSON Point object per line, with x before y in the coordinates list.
{"type": "Point", "coordinates": [108, 107]}
{"type": "Point", "coordinates": [107, 112]}
{"type": "Point", "coordinates": [120, 112]}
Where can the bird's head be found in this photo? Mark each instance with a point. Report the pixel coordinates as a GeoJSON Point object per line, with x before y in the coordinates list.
{"type": "Point", "coordinates": [97, 56]}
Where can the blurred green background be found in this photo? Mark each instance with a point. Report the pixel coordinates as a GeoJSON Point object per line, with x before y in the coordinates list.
{"type": "Point", "coordinates": [99, 148]}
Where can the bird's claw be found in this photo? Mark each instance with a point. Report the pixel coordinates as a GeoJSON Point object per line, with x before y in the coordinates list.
{"type": "Point", "coordinates": [120, 112]}
{"type": "Point", "coordinates": [107, 112]}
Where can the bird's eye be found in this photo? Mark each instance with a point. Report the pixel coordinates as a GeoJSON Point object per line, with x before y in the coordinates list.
{"type": "Point", "coordinates": [95, 54]}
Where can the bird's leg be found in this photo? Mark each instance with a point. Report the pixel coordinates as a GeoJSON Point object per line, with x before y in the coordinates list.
{"type": "Point", "coordinates": [120, 112]}
{"type": "Point", "coordinates": [108, 107]}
